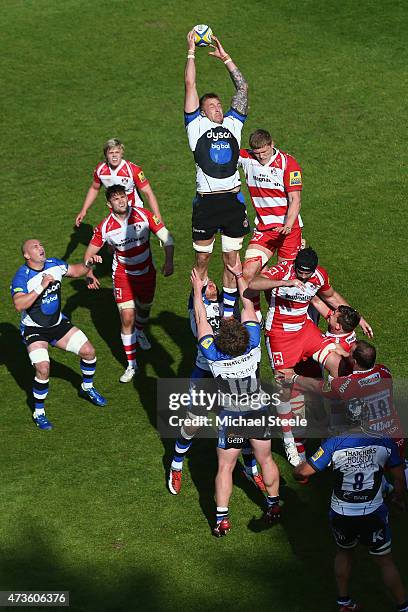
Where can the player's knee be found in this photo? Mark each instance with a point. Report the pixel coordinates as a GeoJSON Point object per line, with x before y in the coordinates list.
{"type": "Point", "coordinates": [87, 351]}
{"type": "Point", "coordinates": [229, 245]}
{"type": "Point", "coordinates": [76, 342]}
{"type": "Point", "coordinates": [127, 317]}
{"type": "Point", "coordinates": [42, 370]}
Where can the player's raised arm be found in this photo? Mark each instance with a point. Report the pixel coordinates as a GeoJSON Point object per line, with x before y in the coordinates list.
{"type": "Point", "coordinates": [203, 327]}
{"type": "Point", "coordinates": [191, 101]}
{"type": "Point", "coordinates": [239, 101]}
{"type": "Point", "coordinates": [248, 311]}
{"type": "Point", "coordinates": [90, 198]}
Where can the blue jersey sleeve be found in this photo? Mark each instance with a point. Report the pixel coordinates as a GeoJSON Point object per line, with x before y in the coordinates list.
{"type": "Point", "coordinates": [232, 112]}
{"type": "Point", "coordinates": [19, 282]}
{"type": "Point", "coordinates": [394, 460]}
{"type": "Point", "coordinates": [323, 456]}
{"type": "Point", "coordinates": [207, 347]}
{"type": "Point", "coordinates": [189, 117]}
{"type": "Point", "coordinates": [254, 331]}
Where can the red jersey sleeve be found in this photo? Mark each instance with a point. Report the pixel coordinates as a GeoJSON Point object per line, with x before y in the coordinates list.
{"type": "Point", "coordinates": [325, 281]}
{"type": "Point", "coordinates": [138, 176]}
{"type": "Point", "coordinates": [97, 239]}
{"type": "Point", "coordinates": [292, 177]}
{"type": "Point", "coordinates": [95, 175]}
{"type": "Point", "coordinates": [154, 222]}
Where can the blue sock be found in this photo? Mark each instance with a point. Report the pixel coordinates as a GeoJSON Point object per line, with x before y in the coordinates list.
{"type": "Point", "coordinates": [181, 448]}
{"type": "Point", "coordinates": [88, 367]}
{"type": "Point", "coordinates": [40, 392]}
{"type": "Point", "coordinates": [229, 297]}
{"type": "Point", "coordinates": [222, 513]}
{"type": "Point", "coordinates": [251, 467]}
{"type": "Point", "coordinates": [272, 500]}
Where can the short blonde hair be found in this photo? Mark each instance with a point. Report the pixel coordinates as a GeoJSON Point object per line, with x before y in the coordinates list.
{"type": "Point", "coordinates": [111, 144]}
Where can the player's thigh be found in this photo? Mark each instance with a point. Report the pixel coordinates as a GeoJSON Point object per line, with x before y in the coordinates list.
{"type": "Point", "coordinates": [375, 532]}
{"type": "Point", "coordinates": [73, 336]}
{"type": "Point", "coordinates": [284, 350]}
{"type": "Point", "coordinates": [227, 458]}
{"type": "Point", "coordinates": [256, 257]}
{"type": "Point", "coordinates": [345, 530]}
{"type": "Point", "coordinates": [290, 245]}
{"type": "Point", "coordinates": [234, 221]}
{"type": "Point", "coordinates": [205, 221]}
{"type": "Point", "coordinates": [143, 290]}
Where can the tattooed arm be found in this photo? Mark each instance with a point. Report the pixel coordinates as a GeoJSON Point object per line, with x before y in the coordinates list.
{"type": "Point", "coordinates": [240, 99]}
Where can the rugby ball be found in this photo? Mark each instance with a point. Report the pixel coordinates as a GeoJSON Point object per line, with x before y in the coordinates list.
{"type": "Point", "coordinates": [202, 35]}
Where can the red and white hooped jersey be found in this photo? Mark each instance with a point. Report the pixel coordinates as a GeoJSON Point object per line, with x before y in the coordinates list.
{"type": "Point", "coordinates": [288, 307]}
{"type": "Point", "coordinates": [127, 174]}
{"type": "Point", "coordinates": [130, 239]}
{"type": "Point", "coordinates": [346, 340]}
{"type": "Point", "coordinates": [375, 387]}
{"type": "Point", "coordinates": [269, 186]}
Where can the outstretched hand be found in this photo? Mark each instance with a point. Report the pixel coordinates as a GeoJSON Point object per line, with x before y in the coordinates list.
{"type": "Point", "coordinates": [196, 280]}
{"type": "Point", "coordinates": [190, 41]}
{"type": "Point", "coordinates": [219, 50]}
{"type": "Point", "coordinates": [236, 268]}
{"type": "Point", "coordinates": [367, 330]}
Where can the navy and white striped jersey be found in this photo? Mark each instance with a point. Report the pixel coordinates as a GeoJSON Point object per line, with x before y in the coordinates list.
{"type": "Point", "coordinates": [236, 376]}
{"type": "Point", "coordinates": [358, 464]}
{"type": "Point", "coordinates": [216, 149]}
{"type": "Point", "coordinates": [46, 310]}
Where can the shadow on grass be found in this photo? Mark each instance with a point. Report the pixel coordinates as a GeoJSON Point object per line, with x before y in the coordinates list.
{"type": "Point", "coordinates": [33, 565]}
{"type": "Point", "coordinates": [82, 235]}
{"type": "Point", "coordinates": [14, 357]}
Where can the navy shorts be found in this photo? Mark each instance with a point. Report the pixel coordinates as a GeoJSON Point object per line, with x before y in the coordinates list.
{"type": "Point", "coordinates": [219, 212]}
{"type": "Point", "coordinates": [371, 530]}
{"type": "Point", "coordinates": [46, 334]}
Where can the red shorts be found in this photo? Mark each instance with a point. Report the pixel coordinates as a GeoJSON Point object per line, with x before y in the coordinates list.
{"type": "Point", "coordinates": [141, 288]}
{"type": "Point", "coordinates": [286, 349]}
{"type": "Point", "coordinates": [286, 246]}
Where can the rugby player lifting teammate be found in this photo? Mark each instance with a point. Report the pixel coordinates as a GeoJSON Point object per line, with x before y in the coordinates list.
{"type": "Point", "coordinates": [290, 333]}
{"type": "Point", "coordinates": [215, 139]}
{"type": "Point", "coordinates": [274, 181]}
{"type": "Point", "coordinates": [36, 293]}
{"type": "Point", "coordinates": [233, 356]}
{"type": "Point", "coordinates": [127, 230]}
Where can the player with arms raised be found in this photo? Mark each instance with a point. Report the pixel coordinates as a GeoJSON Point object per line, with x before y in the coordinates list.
{"type": "Point", "coordinates": [233, 356]}
{"type": "Point", "coordinates": [214, 139]}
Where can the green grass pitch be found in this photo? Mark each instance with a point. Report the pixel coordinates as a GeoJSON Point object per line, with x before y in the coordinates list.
{"type": "Point", "coordinates": [84, 508]}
